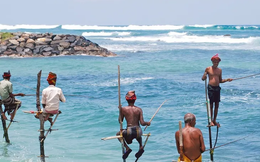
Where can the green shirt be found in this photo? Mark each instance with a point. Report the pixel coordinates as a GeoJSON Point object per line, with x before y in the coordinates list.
{"type": "Point", "coordinates": [6, 87]}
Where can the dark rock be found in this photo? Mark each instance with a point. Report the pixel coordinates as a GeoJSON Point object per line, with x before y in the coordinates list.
{"type": "Point", "coordinates": [48, 44]}
{"type": "Point", "coordinates": [12, 47]}
{"type": "Point", "coordinates": [29, 45]}
{"type": "Point", "coordinates": [19, 49]}
{"type": "Point", "coordinates": [228, 35]}
{"type": "Point", "coordinates": [3, 48]}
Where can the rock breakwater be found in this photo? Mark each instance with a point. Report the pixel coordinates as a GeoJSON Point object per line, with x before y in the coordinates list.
{"type": "Point", "coordinates": [48, 44]}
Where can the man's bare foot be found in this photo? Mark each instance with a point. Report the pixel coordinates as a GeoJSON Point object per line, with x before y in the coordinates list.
{"type": "Point", "coordinates": [4, 117]}
{"type": "Point", "coordinates": [212, 123]}
{"type": "Point", "coordinates": [50, 120]}
{"type": "Point", "coordinates": [217, 124]}
{"type": "Point", "coordinates": [47, 117]}
{"type": "Point", "coordinates": [11, 116]}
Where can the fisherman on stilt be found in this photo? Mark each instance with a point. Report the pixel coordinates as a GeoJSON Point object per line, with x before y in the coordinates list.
{"type": "Point", "coordinates": [134, 117]}
{"type": "Point", "coordinates": [193, 142]}
{"type": "Point", "coordinates": [51, 97]}
{"type": "Point", "coordinates": [215, 78]}
{"type": "Point", "coordinates": [8, 98]}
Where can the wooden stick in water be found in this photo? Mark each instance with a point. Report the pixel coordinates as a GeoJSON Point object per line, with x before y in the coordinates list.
{"type": "Point", "coordinates": [209, 119]}
{"type": "Point", "coordinates": [120, 113]}
{"type": "Point", "coordinates": [17, 104]}
{"type": "Point", "coordinates": [50, 128]}
{"type": "Point", "coordinates": [38, 107]}
{"type": "Point", "coordinates": [4, 124]}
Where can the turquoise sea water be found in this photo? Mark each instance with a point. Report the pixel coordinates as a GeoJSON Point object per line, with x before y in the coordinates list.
{"type": "Point", "coordinates": [159, 63]}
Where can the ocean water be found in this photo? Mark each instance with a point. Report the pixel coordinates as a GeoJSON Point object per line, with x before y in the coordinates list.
{"type": "Point", "coordinates": [159, 63]}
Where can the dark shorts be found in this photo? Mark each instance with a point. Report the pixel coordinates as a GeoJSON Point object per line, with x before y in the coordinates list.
{"type": "Point", "coordinates": [132, 132]}
{"type": "Point", "coordinates": [214, 93]}
{"type": "Point", "coordinates": [11, 104]}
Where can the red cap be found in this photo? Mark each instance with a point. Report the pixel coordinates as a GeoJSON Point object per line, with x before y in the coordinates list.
{"type": "Point", "coordinates": [7, 74]}
{"type": "Point", "coordinates": [215, 57]}
{"type": "Point", "coordinates": [130, 95]}
{"type": "Point", "coordinates": [52, 78]}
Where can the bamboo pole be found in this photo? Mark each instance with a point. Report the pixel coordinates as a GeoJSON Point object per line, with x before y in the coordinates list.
{"type": "Point", "coordinates": [6, 130]}
{"type": "Point", "coordinates": [117, 137]}
{"type": "Point", "coordinates": [120, 113]}
{"type": "Point", "coordinates": [38, 107]}
{"type": "Point", "coordinates": [148, 135]}
{"type": "Point", "coordinates": [181, 142]}
{"type": "Point", "coordinates": [209, 120]}
{"type": "Point", "coordinates": [4, 125]}
{"type": "Point", "coordinates": [49, 130]}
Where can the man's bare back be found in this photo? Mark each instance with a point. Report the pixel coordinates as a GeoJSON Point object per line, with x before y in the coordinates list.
{"type": "Point", "coordinates": [192, 142]}
{"type": "Point", "coordinates": [133, 115]}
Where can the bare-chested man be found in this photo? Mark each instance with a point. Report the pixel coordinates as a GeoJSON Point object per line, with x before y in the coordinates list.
{"type": "Point", "coordinates": [215, 77]}
{"type": "Point", "coordinates": [193, 143]}
{"type": "Point", "coordinates": [134, 117]}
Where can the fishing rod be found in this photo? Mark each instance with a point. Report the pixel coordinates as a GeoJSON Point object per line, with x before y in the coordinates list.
{"type": "Point", "coordinates": [155, 113]}
{"type": "Point", "coordinates": [36, 90]}
{"type": "Point", "coordinates": [246, 76]}
{"type": "Point", "coordinates": [64, 94]}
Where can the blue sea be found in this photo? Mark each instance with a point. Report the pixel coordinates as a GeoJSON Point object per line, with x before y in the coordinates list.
{"type": "Point", "coordinates": [159, 62]}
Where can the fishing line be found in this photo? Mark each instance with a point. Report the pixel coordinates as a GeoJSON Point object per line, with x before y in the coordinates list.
{"type": "Point", "coordinates": [246, 76]}
{"type": "Point", "coordinates": [216, 140]}
{"type": "Point", "coordinates": [64, 94]}
{"type": "Point", "coordinates": [26, 86]}
{"type": "Point", "coordinates": [228, 143]}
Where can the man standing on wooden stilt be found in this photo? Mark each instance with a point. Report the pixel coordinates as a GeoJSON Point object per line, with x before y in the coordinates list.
{"type": "Point", "coordinates": [51, 97]}
{"type": "Point", "coordinates": [134, 117]}
{"type": "Point", "coordinates": [193, 143]}
{"type": "Point", "coordinates": [8, 98]}
{"type": "Point", "coordinates": [215, 78]}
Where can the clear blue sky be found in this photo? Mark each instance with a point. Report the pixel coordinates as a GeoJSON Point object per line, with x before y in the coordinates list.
{"type": "Point", "coordinates": [129, 12]}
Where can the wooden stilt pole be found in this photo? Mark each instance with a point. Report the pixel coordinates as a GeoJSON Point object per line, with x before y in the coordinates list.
{"type": "Point", "coordinates": [181, 142]}
{"type": "Point", "coordinates": [6, 130]}
{"type": "Point", "coordinates": [4, 125]}
{"type": "Point", "coordinates": [120, 119]}
{"type": "Point", "coordinates": [38, 107]}
{"type": "Point", "coordinates": [209, 120]}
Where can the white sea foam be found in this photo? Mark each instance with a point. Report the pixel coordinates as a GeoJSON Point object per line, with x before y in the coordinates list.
{"type": "Point", "coordinates": [131, 48]}
{"type": "Point", "coordinates": [24, 26]}
{"type": "Point", "coordinates": [129, 27]}
{"type": "Point", "coordinates": [133, 80]}
{"type": "Point", "coordinates": [154, 46]}
{"type": "Point", "coordinates": [124, 81]}
{"type": "Point", "coordinates": [201, 26]}
{"type": "Point", "coordinates": [105, 33]}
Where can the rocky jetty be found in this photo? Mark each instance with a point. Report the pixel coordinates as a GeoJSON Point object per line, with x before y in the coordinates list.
{"type": "Point", "coordinates": [48, 44]}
